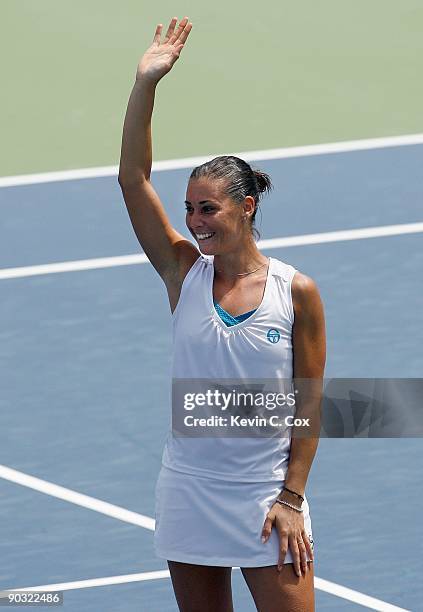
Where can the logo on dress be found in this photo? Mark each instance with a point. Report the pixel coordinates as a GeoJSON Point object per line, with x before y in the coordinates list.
{"type": "Point", "coordinates": [273, 335]}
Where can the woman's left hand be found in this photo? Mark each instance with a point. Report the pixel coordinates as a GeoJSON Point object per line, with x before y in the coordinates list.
{"type": "Point", "coordinates": [290, 527]}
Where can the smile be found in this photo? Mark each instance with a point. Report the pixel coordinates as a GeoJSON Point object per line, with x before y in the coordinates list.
{"type": "Point", "coordinates": [205, 236]}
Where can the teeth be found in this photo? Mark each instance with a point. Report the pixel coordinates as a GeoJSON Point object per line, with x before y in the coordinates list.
{"type": "Point", "coordinates": [204, 236]}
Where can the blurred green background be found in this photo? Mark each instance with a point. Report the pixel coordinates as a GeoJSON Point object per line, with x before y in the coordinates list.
{"type": "Point", "coordinates": [252, 76]}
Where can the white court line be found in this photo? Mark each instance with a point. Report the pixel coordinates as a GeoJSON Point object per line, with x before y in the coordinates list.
{"type": "Point", "coordinates": [43, 486]}
{"type": "Point", "coordinates": [73, 266]}
{"type": "Point", "coordinates": [319, 583]}
{"type": "Point", "coordinates": [190, 162]}
{"type": "Point", "coordinates": [271, 243]}
{"type": "Point", "coordinates": [355, 596]}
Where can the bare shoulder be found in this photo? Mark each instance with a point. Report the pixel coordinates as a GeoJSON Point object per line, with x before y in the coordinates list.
{"type": "Point", "coordinates": [305, 294]}
{"type": "Point", "coordinates": [309, 334]}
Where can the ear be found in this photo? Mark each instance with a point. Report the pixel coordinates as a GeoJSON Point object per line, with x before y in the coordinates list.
{"type": "Point", "coordinates": [249, 206]}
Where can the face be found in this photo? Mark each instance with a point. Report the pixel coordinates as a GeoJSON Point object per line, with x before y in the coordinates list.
{"type": "Point", "coordinates": [214, 219]}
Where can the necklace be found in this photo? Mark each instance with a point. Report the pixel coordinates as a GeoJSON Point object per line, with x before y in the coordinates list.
{"type": "Point", "coordinates": [246, 273]}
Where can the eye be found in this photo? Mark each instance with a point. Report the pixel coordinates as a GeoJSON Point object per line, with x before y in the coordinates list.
{"type": "Point", "coordinates": [188, 209]}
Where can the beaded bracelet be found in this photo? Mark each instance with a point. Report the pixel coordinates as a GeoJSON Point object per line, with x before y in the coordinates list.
{"type": "Point", "coordinates": [281, 501]}
{"type": "Point", "coordinates": [294, 493]}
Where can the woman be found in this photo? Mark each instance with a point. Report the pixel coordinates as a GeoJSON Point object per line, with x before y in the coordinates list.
{"type": "Point", "coordinates": [225, 502]}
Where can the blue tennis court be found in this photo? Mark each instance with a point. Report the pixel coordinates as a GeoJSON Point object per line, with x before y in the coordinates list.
{"type": "Point", "coordinates": [85, 379]}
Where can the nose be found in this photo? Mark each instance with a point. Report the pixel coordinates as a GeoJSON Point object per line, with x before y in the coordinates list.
{"type": "Point", "coordinates": [195, 222]}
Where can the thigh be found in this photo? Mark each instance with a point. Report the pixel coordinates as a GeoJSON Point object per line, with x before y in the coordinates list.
{"type": "Point", "coordinates": [282, 591]}
{"type": "Point", "coordinates": [201, 588]}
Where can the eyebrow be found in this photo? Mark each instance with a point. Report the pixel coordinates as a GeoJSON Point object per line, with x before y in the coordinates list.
{"type": "Point", "coordinates": [202, 202]}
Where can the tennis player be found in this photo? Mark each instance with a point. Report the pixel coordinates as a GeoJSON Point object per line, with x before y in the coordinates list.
{"type": "Point", "coordinates": [224, 502]}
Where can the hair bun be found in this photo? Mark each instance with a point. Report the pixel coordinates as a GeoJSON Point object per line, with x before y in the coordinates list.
{"type": "Point", "coordinates": [263, 181]}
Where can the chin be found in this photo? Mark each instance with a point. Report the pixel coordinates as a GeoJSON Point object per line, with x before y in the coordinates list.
{"type": "Point", "coordinates": [207, 250]}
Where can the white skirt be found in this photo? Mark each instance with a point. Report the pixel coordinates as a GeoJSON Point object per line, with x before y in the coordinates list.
{"type": "Point", "coordinates": [207, 521]}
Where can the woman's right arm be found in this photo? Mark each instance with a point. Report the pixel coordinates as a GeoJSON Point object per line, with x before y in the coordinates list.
{"type": "Point", "coordinates": [170, 253]}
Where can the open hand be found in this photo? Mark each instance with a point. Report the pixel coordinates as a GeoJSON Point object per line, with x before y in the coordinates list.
{"type": "Point", "coordinates": [160, 57]}
{"type": "Point", "coordinates": [290, 527]}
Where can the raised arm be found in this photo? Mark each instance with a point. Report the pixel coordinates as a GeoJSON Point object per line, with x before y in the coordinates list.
{"type": "Point", "coordinates": [170, 253]}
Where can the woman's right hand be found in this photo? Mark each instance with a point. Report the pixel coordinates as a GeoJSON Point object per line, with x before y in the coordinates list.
{"type": "Point", "coordinates": [160, 57]}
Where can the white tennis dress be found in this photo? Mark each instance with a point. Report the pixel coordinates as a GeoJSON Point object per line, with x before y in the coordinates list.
{"type": "Point", "coordinates": [213, 494]}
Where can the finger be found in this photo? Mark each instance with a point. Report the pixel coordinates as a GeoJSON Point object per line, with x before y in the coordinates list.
{"type": "Point", "coordinates": [184, 35]}
{"type": "Point", "coordinates": [158, 33]}
{"type": "Point", "coordinates": [266, 531]}
{"type": "Point", "coordinates": [309, 547]}
{"type": "Point", "coordinates": [179, 49]}
{"type": "Point", "coordinates": [170, 29]}
{"type": "Point", "coordinates": [283, 549]}
{"type": "Point", "coordinates": [179, 31]}
{"type": "Point", "coordinates": [303, 555]}
{"type": "Point", "coordinates": [295, 553]}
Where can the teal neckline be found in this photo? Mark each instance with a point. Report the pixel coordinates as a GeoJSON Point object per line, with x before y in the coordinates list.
{"type": "Point", "coordinates": [228, 319]}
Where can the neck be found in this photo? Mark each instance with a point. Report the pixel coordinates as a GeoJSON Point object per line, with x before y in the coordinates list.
{"type": "Point", "coordinates": [231, 265]}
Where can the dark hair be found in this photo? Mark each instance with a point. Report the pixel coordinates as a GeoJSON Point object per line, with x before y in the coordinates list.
{"type": "Point", "coordinates": [241, 179]}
